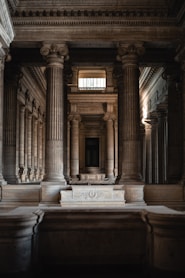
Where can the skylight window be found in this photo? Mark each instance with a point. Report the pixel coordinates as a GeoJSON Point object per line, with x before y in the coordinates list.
{"type": "Point", "coordinates": [92, 80]}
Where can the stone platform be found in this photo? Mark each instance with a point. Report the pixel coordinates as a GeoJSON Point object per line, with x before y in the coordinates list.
{"type": "Point", "coordinates": [92, 195]}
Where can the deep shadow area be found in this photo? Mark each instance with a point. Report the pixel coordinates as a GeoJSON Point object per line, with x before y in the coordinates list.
{"type": "Point", "coordinates": [96, 271]}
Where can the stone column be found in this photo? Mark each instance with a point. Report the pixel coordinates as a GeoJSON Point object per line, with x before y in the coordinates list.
{"type": "Point", "coordinates": [29, 147]}
{"type": "Point", "coordinates": [162, 144]}
{"type": "Point", "coordinates": [39, 151]}
{"type": "Point", "coordinates": [110, 146]}
{"type": "Point", "coordinates": [148, 157]}
{"type": "Point", "coordinates": [9, 132]}
{"type": "Point", "coordinates": [130, 122]}
{"type": "Point", "coordinates": [182, 181]}
{"type": "Point", "coordinates": [116, 148]}
{"type": "Point", "coordinates": [54, 177]}
{"type": "Point", "coordinates": [21, 143]}
{"type": "Point", "coordinates": [74, 162]}
{"type": "Point", "coordinates": [2, 60]}
{"type": "Point", "coordinates": [155, 154]}
{"type": "Point", "coordinates": [180, 58]}
{"type": "Point", "coordinates": [34, 148]}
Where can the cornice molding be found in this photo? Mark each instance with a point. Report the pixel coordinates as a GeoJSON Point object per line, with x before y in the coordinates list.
{"type": "Point", "coordinates": [73, 17]}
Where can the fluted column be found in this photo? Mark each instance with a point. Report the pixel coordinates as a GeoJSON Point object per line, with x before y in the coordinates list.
{"type": "Point", "coordinates": [110, 145]}
{"type": "Point", "coordinates": [34, 149]}
{"type": "Point", "coordinates": [9, 132]}
{"type": "Point", "coordinates": [155, 151]}
{"type": "Point", "coordinates": [148, 158]}
{"type": "Point", "coordinates": [182, 181]}
{"type": "Point", "coordinates": [162, 143]}
{"type": "Point", "coordinates": [2, 60]}
{"type": "Point", "coordinates": [115, 148]}
{"type": "Point", "coordinates": [40, 146]}
{"type": "Point", "coordinates": [130, 122]}
{"type": "Point", "coordinates": [180, 58]}
{"type": "Point", "coordinates": [29, 147]}
{"type": "Point", "coordinates": [74, 162]}
{"type": "Point", "coordinates": [54, 55]}
{"type": "Point", "coordinates": [21, 143]}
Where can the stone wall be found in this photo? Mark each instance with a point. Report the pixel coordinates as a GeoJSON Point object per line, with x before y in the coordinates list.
{"type": "Point", "coordinates": [37, 239]}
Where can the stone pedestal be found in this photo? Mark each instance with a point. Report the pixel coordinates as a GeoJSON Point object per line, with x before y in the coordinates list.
{"type": "Point", "coordinates": [50, 192]}
{"type": "Point", "coordinates": [134, 194]}
{"type": "Point", "coordinates": [92, 196]}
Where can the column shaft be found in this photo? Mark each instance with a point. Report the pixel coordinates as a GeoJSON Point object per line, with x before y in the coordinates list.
{"type": "Point", "coordinates": [2, 181]}
{"type": "Point", "coordinates": [21, 143]}
{"type": "Point", "coordinates": [54, 149]}
{"type": "Point", "coordinates": [75, 146]}
{"type": "Point", "coordinates": [110, 148]}
{"type": "Point", "coordinates": [10, 113]}
{"type": "Point", "coordinates": [130, 123]}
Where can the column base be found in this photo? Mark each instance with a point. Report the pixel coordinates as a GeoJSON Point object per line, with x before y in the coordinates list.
{"type": "Point", "coordinates": [3, 182]}
{"type": "Point", "coordinates": [134, 193]}
{"type": "Point", "coordinates": [50, 191]}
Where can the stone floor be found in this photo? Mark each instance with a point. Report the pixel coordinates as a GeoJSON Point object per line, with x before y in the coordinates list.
{"type": "Point", "coordinates": [96, 272]}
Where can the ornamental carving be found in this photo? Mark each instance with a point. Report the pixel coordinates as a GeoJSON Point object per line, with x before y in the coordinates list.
{"type": "Point", "coordinates": [56, 49]}
{"type": "Point", "coordinates": [131, 49]}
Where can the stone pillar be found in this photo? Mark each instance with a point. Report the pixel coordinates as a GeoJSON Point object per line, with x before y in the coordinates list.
{"type": "Point", "coordinates": [115, 148]}
{"type": "Point", "coordinates": [162, 144]}
{"type": "Point", "coordinates": [130, 122]}
{"type": "Point", "coordinates": [9, 132]}
{"type": "Point", "coordinates": [110, 146]}
{"type": "Point", "coordinates": [180, 58]}
{"type": "Point", "coordinates": [148, 157]}
{"type": "Point", "coordinates": [34, 152]}
{"type": "Point", "coordinates": [54, 177]}
{"type": "Point", "coordinates": [21, 143]}
{"type": "Point", "coordinates": [39, 151]}
{"type": "Point", "coordinates": [182, 181]}
{"type": "Point", "coordinates": [68, 151]}
{"type": "Point", "coordinates": [74, 162]}
{"type": "Point", "coordinates": [2, 60]}
{"type": "Point", "coordinates": [29, 147]}
{"type": "Point", "coordinates": [155, 151]}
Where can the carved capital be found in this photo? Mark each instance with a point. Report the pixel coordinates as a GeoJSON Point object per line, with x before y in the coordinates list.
{"type": "Point", "coordinates": [131, 48]}
{"type": "Point", "coordinates": [109, 117]}
{"type": "Point", "coordinates": [54, 52]}
{"type": "Point", "coordinates": [74, 117]}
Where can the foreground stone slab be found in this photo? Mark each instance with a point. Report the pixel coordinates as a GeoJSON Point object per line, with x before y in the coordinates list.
{"type": "Point", "coordinates": [92, 195]}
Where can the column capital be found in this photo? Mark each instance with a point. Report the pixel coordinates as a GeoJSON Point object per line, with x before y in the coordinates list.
{"type": "Point", "coordinates": [109, 116]}
{"type": "Point", "coordinates": [54, 52]}
{"type": "Point", "coordinates": [130, 50]}
{"type": "Point", "coordinates": [74, 117]}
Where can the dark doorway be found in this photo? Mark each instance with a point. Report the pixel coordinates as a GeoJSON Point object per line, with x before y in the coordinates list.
{"type": "Point", "coordinates": [92, 152]}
